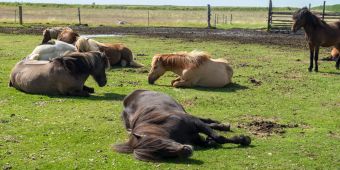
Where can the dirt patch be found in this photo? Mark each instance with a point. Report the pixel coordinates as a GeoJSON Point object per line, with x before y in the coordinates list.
{"type": "Point", "coordinates": [239, 35]}
{"type": "Point", "coordinates": [265, 127]}
{"type": "Point", "coordinates": [255, 82]}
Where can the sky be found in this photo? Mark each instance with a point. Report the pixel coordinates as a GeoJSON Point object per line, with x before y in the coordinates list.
{"type": "Point", "coordinates": [250, 3]}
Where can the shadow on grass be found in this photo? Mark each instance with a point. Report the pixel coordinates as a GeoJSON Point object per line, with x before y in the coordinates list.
{"type": "Point", "coordinates": [184, 161]}
{"type": "Point", "coordinates": [331, 72]}
{"type": "Point", "coordinates": [106, 96]}
{"type": "Point", "coordinates": [233, 87]}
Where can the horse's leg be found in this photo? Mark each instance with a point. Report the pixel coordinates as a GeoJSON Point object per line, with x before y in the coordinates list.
{"type": "Point", "coordinates": [214, 124]}
{"type": "Point", "coordinates": [316, 58]}
{"type": "Point", "coordinates": [88, 89]}
{"type": "Point", "coordinates": [204, 128]}
{"type": "Point", "coordinates": [182, 83]}
{"type": "Point", "coordinates": [311, 51]}
{"type": "Point", "coordinates": [125, 117]}
{"type": "Point", "coordinates": [173, 81]}
{"type": "Point", "coordinates": [337, 65]}
{"type": "Point", "coordinates": [80, 93]}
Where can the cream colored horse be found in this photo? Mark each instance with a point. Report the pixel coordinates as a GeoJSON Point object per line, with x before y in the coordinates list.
{"type": "Point", "coordinates": [50, 51]}
{"type": "Point", "coordinates": [116, 53]}
{"type": "Point", "coordinates": [194, 69]}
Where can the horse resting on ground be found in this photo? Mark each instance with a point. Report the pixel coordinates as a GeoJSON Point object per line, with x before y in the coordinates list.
{"type": "Point", "coordinates": [61, 76]}
{"type": "Point", "coordinates": [64, 34]}
{"type": "Point", "coordinates": [194, 69]}
{"type": "Point", "coordinates": [161, 128]}
{"type": "Point", "coordinates": [318, 33]}
{"type": "Point", "coordinates": [116, 53]}
{"type": "Point", "coordinates": [52, 50]}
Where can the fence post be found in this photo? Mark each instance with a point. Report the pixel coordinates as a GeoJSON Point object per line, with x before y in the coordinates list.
{"type": "Point", "coordinates": [20, 15]}
{"type": "Point", "coordinates": [309, 6]}
{"type": "Point", "coordinates": [231, 19]}
{"type": "Point", "coordinates": [79, 19]}
{"type": "Point", "coordinates": [323, 10]}
{"type": "Point", "coordinates": [215, 21]}
{"type": "Point", "coordinates": [209, 15]}
{"type": "Point", "coordinates": [148, 17]}
{"type": "Point", "coordinates": [15, 16]}
{"type": "Point", "coordinates": [270, 15]}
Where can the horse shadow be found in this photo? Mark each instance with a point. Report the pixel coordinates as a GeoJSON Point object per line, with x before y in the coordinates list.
{"type": "Point", "coordinates": [184, 161]}
{"type": "Point", "coordinates": [106, 96]}
{"type": "Point", "coordinates": [330, 72]}
{"type": "Point", "coordinates": [232, 87]}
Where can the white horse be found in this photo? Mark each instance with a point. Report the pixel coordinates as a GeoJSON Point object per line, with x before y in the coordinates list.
{"type": "Point", "coordinates": [50, 51]}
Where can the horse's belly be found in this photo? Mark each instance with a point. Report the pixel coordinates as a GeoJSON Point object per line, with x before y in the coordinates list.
{"type": "Point", "coordinates": [214, 78]}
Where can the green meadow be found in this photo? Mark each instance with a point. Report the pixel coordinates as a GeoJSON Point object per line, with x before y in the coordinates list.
{"type": "Point", "coordinates": [62, 132]}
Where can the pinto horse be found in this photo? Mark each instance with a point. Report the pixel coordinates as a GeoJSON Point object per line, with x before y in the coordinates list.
{"type": "Point", "coordinates": [161, 128]}
{"type": "Point", "coordinates": [194, 69]}
{"type": "Point", "coordinates": [318, 33]}
{"type": "Point", "coordinates": [116, 53]}
{"type": "Point", "coordinates": [61, 76]}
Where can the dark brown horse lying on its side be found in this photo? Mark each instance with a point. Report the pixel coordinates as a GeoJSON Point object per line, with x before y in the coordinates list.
{"type": "Point", "coordinates": [318, 33]}
{"type": "Point", "coordinates": [161, 128]}
{"type": "Point", "coordinates": [62, 76]}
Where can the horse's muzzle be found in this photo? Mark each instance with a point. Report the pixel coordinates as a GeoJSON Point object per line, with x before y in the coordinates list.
{"type": "Point", "coordinates": [151, 80]}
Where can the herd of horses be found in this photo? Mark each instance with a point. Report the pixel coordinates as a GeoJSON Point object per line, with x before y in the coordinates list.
{"type": "Point", "coordinates": [159, 127]}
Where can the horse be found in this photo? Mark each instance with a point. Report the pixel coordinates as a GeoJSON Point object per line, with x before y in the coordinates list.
{"type": "Point", "coordinates": [194, 69]}
{"type": "Point", "coordinates": [116, 53]}
{"type": "Point", "coordinates": [335, 54]}
{"type": "Point", "coordinates": [318, 33]}
{"type": "Point", "coordinates": [68, 36]}
{"type": "Point", "coordinates": [160, 128]}
{"type": "Point", "coordinates": [62, 75]}
{"type": "Point", "coordinates": [51, 50]}
{"type": "Point", "coordinates": [53, 33]}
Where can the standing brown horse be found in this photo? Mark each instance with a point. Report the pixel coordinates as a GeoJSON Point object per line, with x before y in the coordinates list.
{"type": "Point", "coordinates": [161, 128]}
{"type": "Point", "coordinates": [318, 33]}
{"type": "Point", "coordinates": [61, 76]}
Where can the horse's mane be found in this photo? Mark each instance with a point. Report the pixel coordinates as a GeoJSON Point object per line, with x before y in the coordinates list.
{"type": "Point", "coordinates": [182, 59]}
{"type": "Point", "coordinates": [311, 19]}
{"type": "Point", "coordinates": [86, 62]}
{"type": "Point", "coordinates": [83, 44]}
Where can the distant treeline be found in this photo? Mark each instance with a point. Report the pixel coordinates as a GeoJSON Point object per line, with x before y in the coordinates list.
{"type": "Point", "coordinates": [143, 7]}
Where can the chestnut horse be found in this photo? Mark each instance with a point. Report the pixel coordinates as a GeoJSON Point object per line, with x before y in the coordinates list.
{"type": "Point", "coordinates": [194, 69]}
{"type": "Point", "coordinates": [53, 33]}
{"type": "Point", "coordinates": [335, 54]}
{"type": "Point", "coordinates": [61, 76]}
{"type": "Point", "coordinates": [161, 128]}
{"type": "Point", "coordinates": [318, 33]}
{"type": "Point", "coordinates": [116, 53]}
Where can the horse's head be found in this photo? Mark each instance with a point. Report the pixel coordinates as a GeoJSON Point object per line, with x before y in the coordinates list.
{"type": "Point", "coordinates": [99, 64]}
{"type": "Point", "coordinates": [86, 45]}
{"type": "Point", "coordinates": [157, 69]}
{"type": "Point", "coordinates": [152, 148]}
{"type": "Point", "coordinates": [303, 17]}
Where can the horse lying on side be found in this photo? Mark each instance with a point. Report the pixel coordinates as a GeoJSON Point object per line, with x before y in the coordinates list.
{"type": "Point", "coordinates": [68, 36]}
{"type": "Point", "coordinates": [61, 76]}
{"type": "Point", "coordinates": [194, 69]}
{"type": "Point", "coordinates": [161, 128]}
{"type": "Point", "coordinates": [52, 50]}
{"type": "Point", "coordinates": [318, 33]}
{"type": "Point", "coordinates": [53, 33]}
{"type": "Point", "coordinates": [116, 53]}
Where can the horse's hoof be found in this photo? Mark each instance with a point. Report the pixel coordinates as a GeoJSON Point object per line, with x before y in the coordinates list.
{"type": "Point", "coordinates": [245, 140]}
{"type": "Point", "coordinates": [316, 70]}
{"type": "Point", "coordinates": [310, 69]}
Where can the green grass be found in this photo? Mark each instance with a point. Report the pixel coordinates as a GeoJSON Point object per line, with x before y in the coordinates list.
{"type": "Point", "coordinates": [55, 132]}
{"type": "Point", "coordinates": [330, 8]}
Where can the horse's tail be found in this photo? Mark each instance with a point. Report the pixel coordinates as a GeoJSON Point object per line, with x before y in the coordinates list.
{"type": "Point", "coordinates": [135, 64]}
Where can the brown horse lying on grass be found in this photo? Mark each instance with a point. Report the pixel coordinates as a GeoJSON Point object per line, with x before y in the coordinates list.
{"type": "Point", "coordinates": [318, 33]}
{"type": "Point", "coordinates": [116, 53]}
{"type": "Point", "coordinates": [64, 34]}
{"type": "Point", "coordinates": [161, 128]}
{"type": "Point", "coordinates": [194, 69]}
{"type": "Point", "coordinates": [60, 76]}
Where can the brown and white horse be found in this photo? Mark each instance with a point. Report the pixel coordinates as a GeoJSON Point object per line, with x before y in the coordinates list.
{"type": "Point", "coordinates": [194, 69]}
{"type": "Point", "coordinates": [160, 128]}
{"type": "Point", "coordinates": [116, 53]}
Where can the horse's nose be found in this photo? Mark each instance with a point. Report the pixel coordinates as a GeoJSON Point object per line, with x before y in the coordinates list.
{"type": "Point", "coordinates": [150, 80]}
{"type": "Point", "coordinates": [187, 150]}
{"type": "Point", "coordinates": [103, 83]}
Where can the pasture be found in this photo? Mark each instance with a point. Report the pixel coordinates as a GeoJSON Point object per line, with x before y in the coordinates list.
{"type": "Point", "coordinates": [292, 115]}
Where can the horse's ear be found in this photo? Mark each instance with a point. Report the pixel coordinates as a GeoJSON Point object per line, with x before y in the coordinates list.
{"type": "Point", "coordinates": [138, 136]}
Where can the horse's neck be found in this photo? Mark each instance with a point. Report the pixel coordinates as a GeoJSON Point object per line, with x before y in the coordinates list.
{"type": "Point", "coordinates": [176, 70]}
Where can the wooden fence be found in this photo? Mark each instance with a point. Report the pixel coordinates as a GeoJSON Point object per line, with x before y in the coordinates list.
{"type": "Point", "coordinates": [282, 21]}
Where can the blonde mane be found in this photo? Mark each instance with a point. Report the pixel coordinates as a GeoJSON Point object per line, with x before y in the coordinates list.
{"type": "Point", "coordinates": [86, 44]}
{"type": "Point", "coordinates": [182, 59]}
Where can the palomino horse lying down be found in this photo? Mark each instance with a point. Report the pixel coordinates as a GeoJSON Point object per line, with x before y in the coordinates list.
{"type": "Point", "coordinates": [61, 76]}
{"type": "Point", "coordinates": [194, 69]}
{"type": "Point", "coordinates": [52, 50]}
{"type": "Point", "coordinates": [53, 33]}
{"type": "Point", "coordinates": [116, 53]}
{"type": "Point", "coordinates": [161, 128]}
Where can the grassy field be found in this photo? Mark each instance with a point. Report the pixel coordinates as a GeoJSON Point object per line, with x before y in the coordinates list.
{"type": "Point", "coordinates": [56, 132]}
